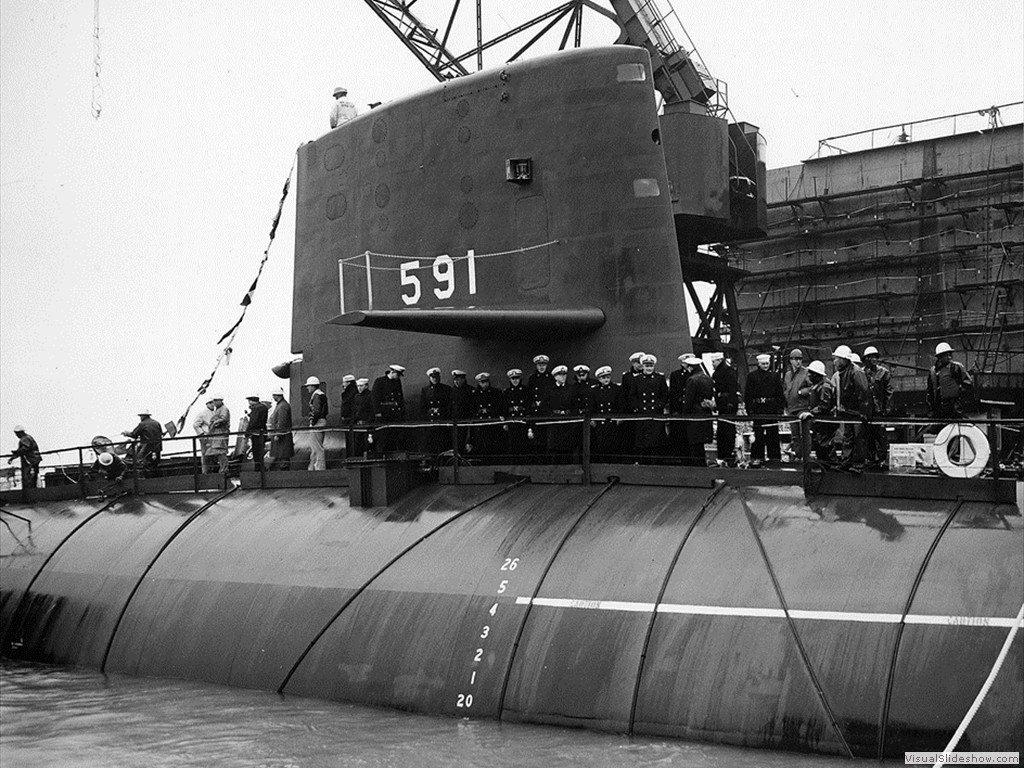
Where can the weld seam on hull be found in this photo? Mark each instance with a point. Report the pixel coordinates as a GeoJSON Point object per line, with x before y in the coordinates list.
{"type": "Point", "coordinates": [540, 583]}
{"type": "Point", "coordinates": [891, 680]}
{"type": "Point", "coordinates": [383, 568]}
{"type": "Point", "coordinates": [142, 577]}
{"type": "Point", "coordinates": [792, 628]}
{"type": "Point", "coordinates": [661, 594]}
{"type": "Point", "coordinates": [16, 617]}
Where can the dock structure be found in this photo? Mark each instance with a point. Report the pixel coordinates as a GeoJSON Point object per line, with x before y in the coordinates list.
{"type": "Point", "coordinates": [890, 239]}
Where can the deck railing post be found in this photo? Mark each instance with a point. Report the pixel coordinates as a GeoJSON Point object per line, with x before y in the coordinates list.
{"type": "Point", "coordinates": [586, 449]}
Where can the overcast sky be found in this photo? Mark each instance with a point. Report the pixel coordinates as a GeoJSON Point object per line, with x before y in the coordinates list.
{"type": "Point", "coordinates": [127, 242]}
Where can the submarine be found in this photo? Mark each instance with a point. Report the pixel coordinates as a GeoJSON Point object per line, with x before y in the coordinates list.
{"type": "Point", "coordinates": [546, 207]}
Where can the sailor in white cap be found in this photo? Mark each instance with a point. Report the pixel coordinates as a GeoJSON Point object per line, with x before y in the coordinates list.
{"type": "Point", "coordinates": [362, 415]}
{"type": "Point", "coordinates": [256, 431]}
{"type": "Point", "coordinates": [435, 405]}
{"type": "Point", "coordinates": [488, 404]}
{"type": "Point", "coordinates": [279, 422]}
{"type": "Point", "coordinates": [517, 406]}
{"type": "Point", "coordinates": [148, 437]}
{"type": "Point", "coordinates": [649, 396]}
{"type": "Point", "coordinates": [765, 401]}
{"type": "Point", "coordinates": [541, 382]}
{"type": "Point", "coordinates": [462, 405]}
{"type": "Point", "coordinates": [698, 405]}
{"type": "Point", "coordinates": [388, 407]}
{"type": "Point", "coordinates": [606, 399]}
{"type": "Point", "coordinates": [949, 385]}
{"type": "Point", "coordinates": [853, 403]}
{"type": "Point", "coordinates": [581, 383]}
{"type": "Point", "coordinates": [342, 110]}
{"type": "Point", "coordinates": [28, 452]}
{"type": "Point", "coordinates": [563, 440]}
{"type": "Point", "coordinates": [677, 434]}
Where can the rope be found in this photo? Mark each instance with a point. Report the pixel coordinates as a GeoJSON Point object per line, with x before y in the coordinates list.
{"type": "Point", "coordinates": [225, 354]}
{"type": "Point", "coordinates": [361, 257]}
{"type": "Point", "coordinates": [984, 688]}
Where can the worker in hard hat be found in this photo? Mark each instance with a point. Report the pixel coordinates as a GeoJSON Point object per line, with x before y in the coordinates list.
{"type": "Point", "coordinates": [317, 418]}
{"type": "Point", "coordinates": [148, 437]}
{"type": "Point", "coordinates": [342, 110]}
{"type": "Point", "coordinates": [798, 396]}
{"type": "Point", "coordinates": [111, 468]}
{"type": "Point", "coordinates": [821, 404]}
{"type": "Point", "coordinates": [880, 384]}
{"type": "Point", "coordinates": [28, 452]}
{"type": "Point", "coordinates": [853, 405]}
{"type": "Point", "coordinates": [201, 425]}
{"type": "Point", "coordinates": [949, 385]}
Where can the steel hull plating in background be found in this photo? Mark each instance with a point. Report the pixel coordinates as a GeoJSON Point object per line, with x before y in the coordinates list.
{"type": "Point", "coordinates": [744, 615]}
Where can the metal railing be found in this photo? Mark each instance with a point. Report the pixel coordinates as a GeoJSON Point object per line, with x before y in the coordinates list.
{"type": "Point", "coordinates": [580, 440]}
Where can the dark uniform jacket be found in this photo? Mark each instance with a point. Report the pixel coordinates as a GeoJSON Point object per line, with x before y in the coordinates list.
{"type": "Point", "coordinates": [538, 385]}
{"type": "Point", "coordinates": [581, 395]}
{"type": "Point", "coordinates": [388, 399]}
{"type": "Point", "coordinates": [798, 390]}
{"type": "Point", "coordinates": [462, 402]}
{"type": "Point", "coordinates": [677, 389]}
{"type": "Point", "coordinates": [650, 395]}
{"type": "Point", "coordinates": [606, 399]}
{"type": "Point", "coordinates": [347, 394]}
{"type": "Point", "coordinates": [257, 419]}
{"type": "Point", "coordinates": [727, 388]}
{"type": "Point", "coordinates": [699, 388]}
{"type": "Point", "coordinates": [488, 403]}
{"type": "Point", "coordinates": [517, 401]}
{"type": "Point", "coordinates": [764, 393]}
{"type": "Point", "coordinates": [628, 382]}
{"type": "Point", "coordinates": [436, 402]}
{"type": "Point", "coordinates": [558, 401]}
{"type": "Point", "coordinates": [149, 435]}
{"type": "Point", "coordinates": [362, 407]}
{"type": "Point", "coordinates": [28, 450]}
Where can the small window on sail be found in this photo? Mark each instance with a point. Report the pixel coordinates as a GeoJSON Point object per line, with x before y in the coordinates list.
{"type": "Point", "coordinates": [632, 73]}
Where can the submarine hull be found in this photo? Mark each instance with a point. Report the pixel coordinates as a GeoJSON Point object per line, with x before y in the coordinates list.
{"type": "Point", "coordinates": [747, 615]}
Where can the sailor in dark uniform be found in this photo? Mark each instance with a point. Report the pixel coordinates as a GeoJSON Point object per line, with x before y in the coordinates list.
{"type": "Point", "coordinates": [388, 407]}
{"type": "Point", "coordinates": [517, 406]}
{"type": "Point", "coordinates": [727, 398]}
{"type": "Point", "coordinates": [436, 405]}
{"type": "Point", "coordinates": [582, 382]}
{"type": "Point", "coordinates": [462, 405]}
{"type": "Point", "coordinates": [699, 401]}
{"type": "Point", "coordinates": [558, 403]}
{"type": "Point", "coordinates": [487, 440]}
{"type": "Point", "coordinates": [362, 416]}
{"type": "Point", "coordinates": [606, 399]}
{"type": "Point", "coordinates": [765, 400]}
{"type": "Point", "coordinates": [541, 380]}
{"type": "Point", "coordinates": [348, 392]}
{"type": "Point", "coordinates": [649, 396]}
{"type": "Point", "coordinates": [628, 380]}
{"type": "Point", "coordinates": [678, 439]}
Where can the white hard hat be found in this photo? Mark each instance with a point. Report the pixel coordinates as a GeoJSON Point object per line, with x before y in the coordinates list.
{"type": "Point", "coordinates": [817, 367]}
{"type": "Point", "coordinates": [18, 428]}
{"type": "Point", "coordinates": [844, 352]}
{"type": "Point", "coordinates": [312, 381]}
{"type": "Point", "coordinates": [278, 391]}
{"type": "Point", "coordinates": [942, 348]}
{"type": "Point", "coordinates": [854, 357]}
{"type": "Point", "coordinates": [145, 412]}
{"type": "Point", "coordinates": [106, 459]}
{"type": "Point", "coordinates": [870, 351]}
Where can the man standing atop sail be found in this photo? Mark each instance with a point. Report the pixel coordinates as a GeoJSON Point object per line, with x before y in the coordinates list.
{"type": "Point", "coordinates": [342, 110]}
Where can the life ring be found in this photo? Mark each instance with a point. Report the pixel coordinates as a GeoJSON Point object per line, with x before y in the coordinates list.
{"type": "Point", "coordinates": [973, 437]}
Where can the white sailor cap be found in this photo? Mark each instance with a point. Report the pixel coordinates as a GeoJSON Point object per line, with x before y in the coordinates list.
{"type": "Point", "coordinates": [216, 397]}
{"type": "Point", "coordinates": [649, 359]}
{"type": "Point", "coordinates": [456, 373]}
{"type": "Point", "coordinates": [515, 373]}
{"type": "Point", "coordinates": [483, 376]}
{"type": "Point", "coordinates": [714, 357]}
{"type": "Point", "coordinates": [435, 371]}
{"type": "Point", "coordinates": [278, 391]}
{"type": "Point", "coordinates": [690, 359]}
{"type": "Point", "coordinates": [396, 368]}
{"type": "Point", "coordinates": [581, 369]}
{"type": "Point", "coordinates": [363, 380]}
{"type": "Point", "coordinates": [604, 370]}
{"type": "Point", "coordinates": [636, 356]}
{"type": "Point", "coordinates": [764, 357]}
{"type": "Point", "coordinates": [541, 359]}
{"type": "Point", "coordinates": [347, 378]}
{"type": "Point", "coordinates": [559, 369]}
